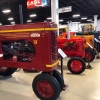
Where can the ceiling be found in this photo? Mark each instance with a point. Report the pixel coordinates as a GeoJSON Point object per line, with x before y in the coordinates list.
{"type": "Point", "coordinates": [86, 8]}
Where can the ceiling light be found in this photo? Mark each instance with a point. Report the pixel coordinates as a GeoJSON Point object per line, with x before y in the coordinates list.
{"type": "Point", "coordinates": [10, 18]}
{"type": "Point", "coordinates": [29, 21]}
{"type": "Point", "coordinates": [61, 20]}
{"type": "Point", "coordinates": [49, 18]}
{"type": "Point", "coordinates": [12, 23]}
{"type": "Point", "coordinates": [76, 15]}
{"type": "Point", "coordinates": [6, 11]}
{"type": "Point", "coordinates": [79, 22]}
{"type": "Point", "coordinates": [45, 20]}
{"type": "Point", "coordinates": [0, 23]}
{"type": "Point", "coordinates": [84, 18]}
{"type": "Point", "coordinates": [89, 20]}
{"type": "Point", "coordinates": [33, 15]}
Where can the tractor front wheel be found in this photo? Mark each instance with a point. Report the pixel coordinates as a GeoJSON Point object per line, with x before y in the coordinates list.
{"type": "Point", "coordinates": [46, 87]}
{"type": "Point", "coordinates": [4, 71]}
{"type": "Point", "coordinates": [89, 55]}
{"type": "Point", "coordinates": [76, 65]}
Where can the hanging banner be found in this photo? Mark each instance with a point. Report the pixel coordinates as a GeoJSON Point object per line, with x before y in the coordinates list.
{"type": "Point", "coordinates": [36, 3]}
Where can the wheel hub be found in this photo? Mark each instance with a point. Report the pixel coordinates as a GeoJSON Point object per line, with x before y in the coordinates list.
{"type": "Point", "coordinates": [76, 66]}
{"type": "Point", "coordinates": [45, 89]}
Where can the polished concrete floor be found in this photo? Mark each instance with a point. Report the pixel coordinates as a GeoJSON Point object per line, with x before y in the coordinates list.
{"type": "Point", "coordinates": [80, 87]}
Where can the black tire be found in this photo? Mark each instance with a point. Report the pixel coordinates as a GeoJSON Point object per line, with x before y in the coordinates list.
{"type": "Point", "coordinates": [92, 55]}
{"type": "Point", "coordinates": [78, 62]}
{"type": "Point", "coordinates": [59, 78]}
{"type": "Point", "coordinates": [52, 81]}
{"type": "Point", "coordinates": [30, 71]}
{"type": "Point", "coordinates": [8, 72]}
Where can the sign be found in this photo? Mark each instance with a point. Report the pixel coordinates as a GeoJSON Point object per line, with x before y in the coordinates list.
{"type": "Point", "coordinates": [96, 40]}
{"type": "Point", "coordinates": [36, 3]}
{"type": "Point", "coordinates": [62, 53]}
{"type": "Point", "coordinates": [89, 45]}
{"type": "Point", "coordinates": [65, 9]}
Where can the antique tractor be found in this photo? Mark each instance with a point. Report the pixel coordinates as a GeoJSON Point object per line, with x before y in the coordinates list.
{"type": "Point", "coordinates": [32, 47]}
{"type": "Point", "coordinates": [74, 48]}
{"type": "Point", "coordinates": [96, 35]}
{"type": "Point", "coordinates": [89, 53]}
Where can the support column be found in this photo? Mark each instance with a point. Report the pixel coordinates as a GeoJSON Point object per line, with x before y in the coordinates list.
{"type": "Point", "coordinates": [54, 12]}
{"type": "Point", "coordinates": [95, 22]}
{"type": "Point", "coordinates": [69, 25]}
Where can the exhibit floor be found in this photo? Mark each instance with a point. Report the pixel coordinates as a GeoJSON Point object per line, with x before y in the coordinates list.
{"type": "Point", "coordinates": [80, 87]}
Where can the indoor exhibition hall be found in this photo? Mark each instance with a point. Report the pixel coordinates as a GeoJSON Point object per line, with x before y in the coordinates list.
{"type": "Point", "coordinates": [49, 49]}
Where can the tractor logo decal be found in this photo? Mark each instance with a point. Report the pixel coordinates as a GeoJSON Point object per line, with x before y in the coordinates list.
{"type": "Point", "coordinates": [35, 35]}
{"type": "Point", "coordinates": [70, 46]}
{"type": "Point", "coordinates": [35, 41]}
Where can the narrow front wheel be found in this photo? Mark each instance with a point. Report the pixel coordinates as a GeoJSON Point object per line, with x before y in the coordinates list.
{"type": "Point", "coordinates": [76, 65]}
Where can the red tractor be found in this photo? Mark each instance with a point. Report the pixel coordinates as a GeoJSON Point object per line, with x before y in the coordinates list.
{"type": "Point", "coordinates": [74, 48]}
{"type": "Point", "coordinates": [32, 47]}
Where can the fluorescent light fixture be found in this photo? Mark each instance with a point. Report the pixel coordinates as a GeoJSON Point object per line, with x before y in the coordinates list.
{"type": "Point", "coordinates": [45, 20]}
{"type": "Point", "coordinates": [84, 18]}
{"type": "Point", "coordinates": [76, 22]}
{"type": "Point", "coordinates": [12, 23]}
{"type": "Point", "coordinates": [49, 18]}
{"type": "Point", "coordinates": [0, 23]}
{"type": "Point", "coordinates": [6, 11]}
{"type": "Point", "coordinates": [89, 20]}
{"type": "Point", "coordinates": [61, 20]}
{"type": "Point", "coordinates": [76, 15]}
{"type": "Point", "coordinates": [29, 21]}
{"type": "Point", "coordinates": [32, 15]}
{"type": "Point", "coordinates": [10, 18]}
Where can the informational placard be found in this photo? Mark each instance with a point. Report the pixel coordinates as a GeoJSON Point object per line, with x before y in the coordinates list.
{"type": "Point", "coordinates": [96, 40]}
{"type": "Point", "coordinates": [65, 9]}
{"type": "Point", "coordinates": [62, 53]}
{"type": "Point", "coordinates": [36, 3]}
{"type": "Point", "coordinates": [89, 45]}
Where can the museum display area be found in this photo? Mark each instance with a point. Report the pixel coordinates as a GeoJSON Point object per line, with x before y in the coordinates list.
{"type": "Point", "coordinates": [49, 50]}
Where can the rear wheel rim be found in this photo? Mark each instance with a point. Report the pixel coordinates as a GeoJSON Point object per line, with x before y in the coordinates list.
{"type": "Point", "coordinates": [88, 56]}
{"type": "Point", "coordinates": [76, 66]}
{"type": "Point", "coordinates": [45, 89]}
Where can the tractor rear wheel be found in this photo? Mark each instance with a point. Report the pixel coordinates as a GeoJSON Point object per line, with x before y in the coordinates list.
{"type": "Point", "coordinates": [30, 71]}
{"type": "Point", "coordinates": [46, 87]}
{"type": "Point", "coordinates": [89, 56]}
{"type": "Point", "coordinates": [76, 65]}
{"type": "Point", "coordinates": [4, 71]}
{"type": "Point", "coordinates": [59, 78]}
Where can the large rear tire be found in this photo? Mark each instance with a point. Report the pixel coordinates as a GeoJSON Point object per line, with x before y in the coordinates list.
{"type": "Point", "coordinates": [76, 65]}
{"type": "Point", "coordinates": [59, 78]}
{"type": "Point", "coordinates": [46, 87]}
{"type": "Point", "coordinates": [4, 71]}
{"type": "Point", "coordinates": [89, 56]}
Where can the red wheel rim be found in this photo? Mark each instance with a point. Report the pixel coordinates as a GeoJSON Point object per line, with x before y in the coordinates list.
{"type": "Point", "coordinates": [3, 69]}
{"type": "Point", "coordinates": [45, 89]}
{"type": "Point", "coordinates": [88, 56]}
{"type": "Point", "coordinates": [76, 65]}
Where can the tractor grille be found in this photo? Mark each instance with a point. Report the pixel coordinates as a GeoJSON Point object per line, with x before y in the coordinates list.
{"type": "Point", "coordinates": [54, 45]}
